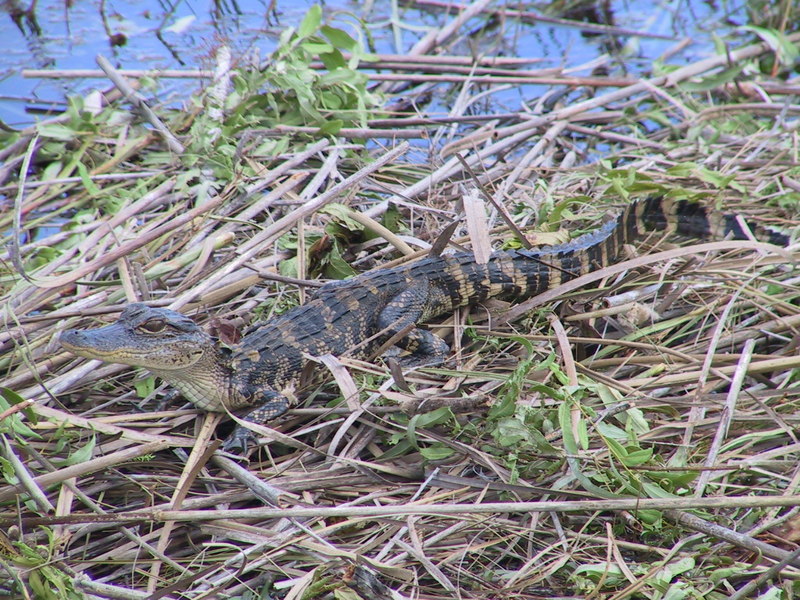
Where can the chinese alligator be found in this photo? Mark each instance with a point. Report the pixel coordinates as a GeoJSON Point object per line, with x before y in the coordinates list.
{"type": "Point", "coordinates": [256, 377]}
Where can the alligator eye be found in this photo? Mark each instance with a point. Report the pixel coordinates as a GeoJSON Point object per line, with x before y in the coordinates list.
{"type": "Point", "coordinates": [154, 325]}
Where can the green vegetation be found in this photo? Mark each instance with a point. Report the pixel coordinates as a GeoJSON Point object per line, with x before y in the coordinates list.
{"type": "Point", "coordinates": [674, 381]}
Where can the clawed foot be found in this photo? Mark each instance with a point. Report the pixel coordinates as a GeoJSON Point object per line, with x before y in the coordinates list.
{"type": "Point", "coordinates": [239, 441]}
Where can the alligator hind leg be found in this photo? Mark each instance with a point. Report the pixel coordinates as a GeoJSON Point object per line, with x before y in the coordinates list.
{"type": "Point", "coordinates": [238, 441]}
{"type": "Point", "coordinates": [408, 308]}
{"type": "Point", "coordinates": [427, 349]}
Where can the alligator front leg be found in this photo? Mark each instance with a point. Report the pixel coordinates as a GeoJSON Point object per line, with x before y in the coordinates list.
{"type": "Point", "coordinates": [408, 308]}
{"type": "Point", "coordinates": [273, 406]}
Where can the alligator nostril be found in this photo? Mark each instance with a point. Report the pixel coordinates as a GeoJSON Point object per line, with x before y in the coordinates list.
{"type": "Point", "coordinates": [71, 336]}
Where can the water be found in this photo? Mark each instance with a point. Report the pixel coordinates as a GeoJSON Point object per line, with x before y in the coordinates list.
{"type": "Point", "coordinates": [139, 35]}
{"type": "Point", "coordinates": [184, 34]}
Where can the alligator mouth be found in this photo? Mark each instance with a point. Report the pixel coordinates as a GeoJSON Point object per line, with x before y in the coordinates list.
{"type": "Point", "coordinates": [100, 354]}
{"type": "Point", "coordinates": [85, 350]}
{"type": "Point", "coordinates": [102, 348]}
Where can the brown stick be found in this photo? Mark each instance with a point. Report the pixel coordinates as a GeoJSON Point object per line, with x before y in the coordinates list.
{"type": "Point", "coordinates": [456, 510]}
{"type": "Point", "coordinates": [531, 17]}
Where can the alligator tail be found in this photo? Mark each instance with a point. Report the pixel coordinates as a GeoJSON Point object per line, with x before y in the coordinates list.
{"type": "Point", "coordinates": [520, 274]}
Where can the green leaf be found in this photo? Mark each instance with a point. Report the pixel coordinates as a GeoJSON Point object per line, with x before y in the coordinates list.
{"type": "Point", "coordinates": [649, 516]}
{"type": "Point", "coordinates": [638, 457]}
{"type": "Point", "coordinates": [315, 47]}
{"type": "Point", "coordinates": [655, 491]}
{"type": "Point", "coordinates": [683, 169]}
{"type": "Point", "coordinates": [674, 480]}
{"type": "Point", "coordinates": [14, 422]}
{"type": "Point", "coordinates": [402, 448]}
{"type": "Point", "coordinates": [346, 593]}
{"type": "Point", "coordinates": [39, 588]}
{"type": "Point", "coordinates": [332, 127]}
{"type": "Point", "coordinates": [510, 432]}
{"type": "Point", "coordinates": [720, 47]}
{"type": "Point", "coordinates": [617, 449]}
{"type": "Point", "coordinates": [714, 178]}
{"type": "Point", "coordinates": [311, 21]}
{"type": "Point", "coordinates": [344, 214]}
{"type": "Point", "coordinates": [607, 430]}
{"type": "Point", "coordinates": [783, 47]}
{"type": "Point", "coordinates": [437, 452]}
{"type": "Point", "coordinates": [13, 398]}
{"type": "Point", "coordinates": [56, 131]}
{"type": "Point", "coordinates": [610, 572]}
{"type": "Point", "coordinates": [571, 448]}
{"type": "Point", "coordinates": [681, 566]}
{"type": "Point", "coordinates": [86, 179]}
{"type": "Point", "coordinates": [145, 387]}
{"type": "Point", "coordinates": [288, 267]}
{"type": "Point", "coordinates": [52, 170]}
{"type": "Point", "coordinates": [339, 38]}
{"type": "Point", "coordinates": [337, 267]}
{"type": "Point", "coordinates": [565, 422]}
{"type": "Point", "coordinates": [726, 572]}
{"type": "Point", "coordinates": [713, 81]}
{"type": "Point", "coordinates": [9, 474]}
{"type": "Point", "coordinates": [509, 394]}
{"type": "Point", "coordinates": [435, 417]}
{"type": "Point", "coordinates": [333, 60]}
{"type": "Point", "coordinates": [635, 422]}
{"type": "Point", "coordinates": [331, 101]}
{"type": "Point", "coordinates": [772, 593]}
{"type": "Point", "coordinates": [391, 219]}
{"type": "Point", "coordinates": [82, 454]}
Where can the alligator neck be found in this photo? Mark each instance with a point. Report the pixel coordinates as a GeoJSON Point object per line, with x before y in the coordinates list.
{"type": "Point", "coordinates": [207, 383]}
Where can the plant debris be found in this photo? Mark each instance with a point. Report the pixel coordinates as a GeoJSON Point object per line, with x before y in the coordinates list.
{"type": "Point", "coordinates": [630, 437]}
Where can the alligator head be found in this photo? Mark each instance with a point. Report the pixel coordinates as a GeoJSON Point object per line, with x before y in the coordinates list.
{"type": "Point", "coordinates": [166, 343]}
{"type": "Point", "coordinates": [155, 338]}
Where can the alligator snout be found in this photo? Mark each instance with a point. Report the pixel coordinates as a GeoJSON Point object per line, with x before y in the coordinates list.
{"type": "Point", "coordinates": [77, 342]}
{"type": "Point", "coordinates": [91, 343]}
{"type": "Point", "coordinates": [71, 338]}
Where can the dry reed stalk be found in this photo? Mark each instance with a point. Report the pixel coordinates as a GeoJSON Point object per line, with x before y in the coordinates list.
{"type": "Point", "coordinates": [139, 102]}
{"type": "Point", "coordinates": [515, 78]}
{"type": "Point", "coordinates": [430, 508]}
{"type": "Point", "coordinates": [382, 61]}
{"type": "Point", "coordinates": [425, 489]}
{"type": "Point", "coordinates": [533, 17]}
{"type": "Point", "coordinates": [252, 247]}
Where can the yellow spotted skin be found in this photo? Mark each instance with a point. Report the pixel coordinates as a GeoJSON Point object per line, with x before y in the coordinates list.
{"type": "Point", "coordinates": [257, 377]}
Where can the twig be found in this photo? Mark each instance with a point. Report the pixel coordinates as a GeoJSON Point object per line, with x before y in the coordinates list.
{"type": "Point", "coordinates": [201, 452]}
{"type": "Point", "coordinates": [457, 510]}
{"type": "Point", "coordinates": [421, 59]}
{"type": "Point", "coordinates": [747, 590]}
{"type": "Point", "coordinates": [532, 17]}
{"type": "Point", "coordinates": [727, 414]}
{"type": "Point", "coordinates": [14, 249]}
{"type": "Point", "coordinates": [351, 132]}
{"type": "Point", "coordinates": [501, 210]}
{"type": "Point", "coordinates": [738, 539]}
{"type": "Point", "coordinates": [62, 180]}
{"type": "Point", "coordinates": [136, 99]}
{"type": "Point", "coordinates": [375, 227]}
{"type": "Point", "coordinates": [26, 481]}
